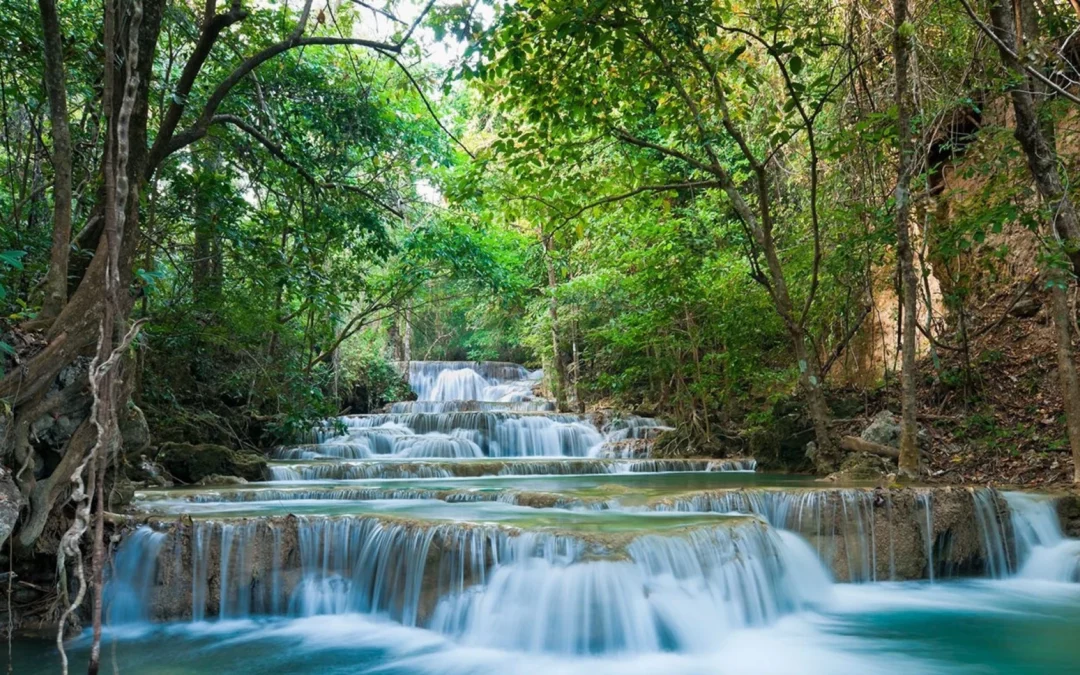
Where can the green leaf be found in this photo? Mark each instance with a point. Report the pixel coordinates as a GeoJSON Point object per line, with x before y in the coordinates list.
{"type": "Point", "coordinates": [795, 64]}
{"type": "Point", "coordinates": [12, 258]}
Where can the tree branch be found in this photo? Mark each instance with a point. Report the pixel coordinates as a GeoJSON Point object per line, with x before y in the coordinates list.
{"type": "Point", "coordinates": [277, 152]}
{"type": "Point", "coordinates": [427, 105]}
{"type": "Point", "coordinates": [213, 25]}
{"type": "Point", "coordinates": [1005, 48]}
{"type": "Point", "coordinates": [842, 345]}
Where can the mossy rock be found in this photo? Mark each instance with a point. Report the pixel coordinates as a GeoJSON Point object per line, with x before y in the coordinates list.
{"type": "Point", "coordinates": [863, 466]}
{"type": "Point", "coordinates": [191, 463]}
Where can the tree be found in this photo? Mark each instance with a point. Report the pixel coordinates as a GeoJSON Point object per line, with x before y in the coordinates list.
{"type": "Point", "coordinates": [902, 35]}
{"type": "Point", "coordinates": [1035, 133]}
{"type": "Point", "coordinates": [672, 85]}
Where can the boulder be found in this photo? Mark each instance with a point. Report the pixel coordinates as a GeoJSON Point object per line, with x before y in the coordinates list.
{"type": "Point", "coordinates": [134, 430]}
{"type": "Point", "coordinates": [631, 448]}
{"type": "Point", "coordinates": [884, 429]}
{"type": "Point", "coordinates": [862, 466]}
{"type": "Point", "coordinates": [121, 493]}
{"type": "Point", "coordinates": [191, 463]}
{"type": "Point", "coordinates": [215, 479]}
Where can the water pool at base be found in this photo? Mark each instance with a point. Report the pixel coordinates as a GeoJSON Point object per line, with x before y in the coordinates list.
{"type": "Point", "coordinates": [1014, 627]}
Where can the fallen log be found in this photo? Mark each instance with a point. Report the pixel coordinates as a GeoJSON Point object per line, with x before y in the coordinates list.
{"type": "Point", "coordinates": [856, 444]}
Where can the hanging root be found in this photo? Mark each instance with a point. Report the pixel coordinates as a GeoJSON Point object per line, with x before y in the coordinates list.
{"type": "Point", "coordinates": [69, 543]}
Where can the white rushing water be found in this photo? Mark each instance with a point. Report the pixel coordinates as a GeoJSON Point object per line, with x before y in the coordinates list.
{"type": "Point", "coordinates": [1042, 551]}
{"type": "Point", "coordinates": [453, 381]}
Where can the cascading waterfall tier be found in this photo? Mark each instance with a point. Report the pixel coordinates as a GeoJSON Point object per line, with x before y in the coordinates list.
{"type": "Point", "coordinates": [376, 469]}
{"type": "Point", "coordinates": [419, 572]}
{"type": "Point", "coordinates": [469, 409]}
{"type": "Point", "coordinates": [670, 593]}
{"type": "Point", "coordinates": [868, 534]}
{"type": "Point", "coordinates": [455, 435]}
{"type": "Point", "coordinates": [455, 381]}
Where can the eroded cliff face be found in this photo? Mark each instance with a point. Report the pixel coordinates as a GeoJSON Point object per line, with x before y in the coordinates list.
{"type": "Point", "coordinates": [970, 258]}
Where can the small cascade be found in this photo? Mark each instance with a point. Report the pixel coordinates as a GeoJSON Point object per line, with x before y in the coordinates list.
{"type": "Point", "coordinates": [840, 524]}
{"type": "Point", "coordinates": [1042, 550]}
{"type": "Point", "coordinates": [134, 573]}
{"type": "Point", "coordinates": [389, 470]}
{"type": "Point", "coordinates": [455, 435]}
{"type": "Point", "coordinates": [925, 500]}
{"type": "Point", "coordinates": [673, 593]}
{"type": "Point", "coordinates": [632, 427]}
{"type": "Point", "coordinates": [990, 513]}
{"type": "Point", "coordinates": [357, 471]}
{"type": "Point", "coordinates": [870, 535]}
{"type": "Point", "coordinates": [410, 407]}
{"type": "Point", "coordinates": [456, 381]}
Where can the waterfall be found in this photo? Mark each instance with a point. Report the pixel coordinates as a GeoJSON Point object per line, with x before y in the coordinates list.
{"type": "Point", "coordinates": [673, 593]}
{"type": "Point", "coordinates": [134, 573]}
{"type": "Point", "coordinates": [435, 445]}
{"type": "Point", "coordinates": [533, 405]}
{"type": "Point", "coordinates": [989, 515]}
{"type": "Point", "coordinates": [436, 381]}
{"type": "Point", "coordinates": [925, 500]}
{"type": "Point", "coordinates": [839, 522]}
{"type": "Point", "coordinates": [1042, 551]}
{"type": "Point", "coordinates": [630, 427]}
{"type": "Point", "coordinates": [474, 433]}
{"type": "Point", "coordinates": [357, 470]}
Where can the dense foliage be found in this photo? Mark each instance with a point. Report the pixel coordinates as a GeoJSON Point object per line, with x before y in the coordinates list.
{"type": "Point", "coordinates": [688, 207]}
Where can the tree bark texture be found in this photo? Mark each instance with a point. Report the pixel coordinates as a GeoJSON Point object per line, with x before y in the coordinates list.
{"type": "Point", "coordinates": [56, 89]}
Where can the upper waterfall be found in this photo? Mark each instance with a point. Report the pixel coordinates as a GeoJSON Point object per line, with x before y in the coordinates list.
{"type": "Point", "coordinates": [452, 381]}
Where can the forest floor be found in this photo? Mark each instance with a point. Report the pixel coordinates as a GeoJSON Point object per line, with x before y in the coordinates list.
{"type": "Point", "coordinates": [994, 414]}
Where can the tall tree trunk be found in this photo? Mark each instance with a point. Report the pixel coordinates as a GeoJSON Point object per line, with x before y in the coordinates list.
{"type": "Point", "coordinates": [206, 264]}
{"type": "Point", "coordinates": [56, 89]}
{"type": "Point", "coordinates": [1037, 140]}
{"type": "Point", "coordinates": [909, 449]}
{"type": "Point", "coordinates": [407, 333]}
{"type": "Point", "coordinates": [560, 380]}
{"type": "Point", "coordinates": [1040, 152]}
{"type": "Point", "coordinates": [1065, 324]}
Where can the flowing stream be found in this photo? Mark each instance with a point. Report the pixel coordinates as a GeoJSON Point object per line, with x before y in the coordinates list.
{"type": "Point", "coordinates": [476, 530]}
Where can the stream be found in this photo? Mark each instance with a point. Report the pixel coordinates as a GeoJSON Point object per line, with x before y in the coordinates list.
{"type": "Point", "coordinates": [475, 530]}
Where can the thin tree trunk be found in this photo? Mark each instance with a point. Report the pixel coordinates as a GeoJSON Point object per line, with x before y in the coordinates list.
{"type": "Point", "coordinates": [909, 449]}
{"type": "Point", "coordinates": [553, 313]}
{"type": "Point", "coordinates": [56, 88]}
{"type": "Point", "coordinates": [827, 457]}
{"type": "Point", "coordinates": [1070, 383]}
